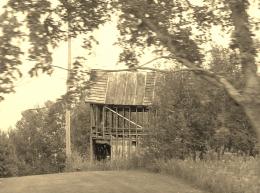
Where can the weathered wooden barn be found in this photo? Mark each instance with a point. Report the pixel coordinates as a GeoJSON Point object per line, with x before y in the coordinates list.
{"type": "Point", "coordinates": [120, 113]}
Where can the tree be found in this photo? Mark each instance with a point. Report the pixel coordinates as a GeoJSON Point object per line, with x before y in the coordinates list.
{"type": "Point", "coordinates": [27, 139]}
{"type": "Point", "coordinates": [81, 129]}
{"type": "Point", "coordinates": [39, 140]}
{"type": "Point", "coordinates": [168, 25]}
{"type": "Point", "coordinates": [9, 52]}
{"type": "Point", "coordinates": [39, 137]}
{"type": "Point", "coordinates": [54, 137]}
{"type": "Point", "coordinates": [240, 136]}
{"type": "Point", "coordinates": [8, 160]}
{"type": "Point", "coordinates": [195, 117]}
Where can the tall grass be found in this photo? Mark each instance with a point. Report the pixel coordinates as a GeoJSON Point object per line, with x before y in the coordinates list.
{"type": "Point", "coordinates": [236, 175]}
{"type": "Point", "coordinates": [77, 163]}
{"type": "Point", "coordinates": [232, 174]}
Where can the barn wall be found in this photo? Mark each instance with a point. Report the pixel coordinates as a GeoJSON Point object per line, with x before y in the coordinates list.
{"type": "Point", "coordinates": [122, 148]}
{"type": "Point", "coordinates": [109, 127]}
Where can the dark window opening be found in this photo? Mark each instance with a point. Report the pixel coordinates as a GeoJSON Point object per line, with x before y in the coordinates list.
{"type": "Point", "coordinates": [102, 151]}
{"type": "Point", "coordinates": [134, 143]}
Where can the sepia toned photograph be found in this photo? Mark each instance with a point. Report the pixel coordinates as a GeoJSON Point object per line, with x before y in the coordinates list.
{"type": "Point", "coordinates": [129, 96]}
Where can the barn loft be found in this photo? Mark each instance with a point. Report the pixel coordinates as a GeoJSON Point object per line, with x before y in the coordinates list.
{"type": "Point", "coordinates": [120, 111]}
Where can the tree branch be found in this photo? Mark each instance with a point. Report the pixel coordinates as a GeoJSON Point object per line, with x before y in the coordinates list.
{"type": "Point", "coordinates": [150, 61]}
{"type": "Point", "coordinates": [156, 69]}
{"type": "Point", "coordinates": [166, 40]}
{"type": "Point", "coordinates": [243, 36]}
{"type": "Point", "coordinates": [59, 67]}
{"type": "Point", "coordinates": [66, 69]}
{"type": "Point", "coordinates": [231, 90]}
{"type": "Point", "coordinates": [189, 4]}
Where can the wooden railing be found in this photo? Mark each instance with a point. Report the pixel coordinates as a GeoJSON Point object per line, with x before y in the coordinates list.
{"type": "Point", "coordinates": [103, 132]}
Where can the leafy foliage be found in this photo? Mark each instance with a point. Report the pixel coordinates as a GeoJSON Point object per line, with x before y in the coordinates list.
{"type": "Point", "coordinates": [194, 117]}
{"type": "Point", "coordinates": [8, 160]}
{"type": "Point", "coordinates": [39, 140]}
{"type": "Point", "coordinates": [81, 129]}
{"type": "Point", "coordinates": [46, 23]}
{"type": "Point", "coordinates": [9, 52]}
{"type": "Point", "coordinates": [37, 144]}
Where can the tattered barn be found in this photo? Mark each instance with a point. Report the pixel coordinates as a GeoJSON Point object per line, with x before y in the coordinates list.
{"type": "Point", "coordinates": [120, 113]}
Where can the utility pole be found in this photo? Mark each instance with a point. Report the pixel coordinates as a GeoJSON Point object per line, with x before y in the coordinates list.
{"type": "Point", "coordinates": [67, 116]}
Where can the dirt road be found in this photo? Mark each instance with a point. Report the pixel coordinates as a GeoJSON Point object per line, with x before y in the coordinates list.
{"type": "Point", "coordinates": [96, 182]}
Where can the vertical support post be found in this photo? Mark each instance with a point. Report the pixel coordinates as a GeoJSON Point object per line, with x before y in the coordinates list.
{"type": "Point", "coordinates": [103, 121]}
{"type": "Point", "coordinates": [107, 124]}
{"type": "Point", "coordinates": [96, 120]}
{"type": "Point", "coordinates": [91, 133]}
{"type": "Point", "coordinates": [149, 118]}
{"type": "Point", "coordinates": [156, 117]}
{"type": "Point", "coordinates": [112, 123]}
{"type": "Point", "coordinates": [91, 145]}
{"type": "Point", "coordinates": [137, 121]}
{"type": "Point", "coordinates": [143, 119]}
{"type": "Point", "coordinates": [123, 133]}
{"type": "Point", "coordinates": [129, 134]}
{"type": "Point", "coordinates": [68, 142]}
{"type": "Point", "coordinates": [117, 122]}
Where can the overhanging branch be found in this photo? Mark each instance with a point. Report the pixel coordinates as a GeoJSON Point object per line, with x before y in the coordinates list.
{"type": "Point", "coordinates": [150, 61]}
{"type": "Point", "coordinates": [60, 67]}
{"type": "Point", "coordinates": [165, 38]}
{"type": "Point", "coordinates": [156, 69]}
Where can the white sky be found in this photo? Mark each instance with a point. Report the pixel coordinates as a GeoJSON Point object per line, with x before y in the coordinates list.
{"type": "Point", "coordinates": [33, 92]}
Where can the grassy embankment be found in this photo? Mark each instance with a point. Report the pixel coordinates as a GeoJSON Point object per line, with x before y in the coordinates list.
{"type": "Point", "coordinates": [236, 175]}
{"type": "Point", "coordinates": [230, 175]}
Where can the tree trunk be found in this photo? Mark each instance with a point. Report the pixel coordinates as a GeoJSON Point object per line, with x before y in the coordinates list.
{"type": "Point", "coordinates": [252, 111]}
{"type": "Point", "coordinates": [243, 38]}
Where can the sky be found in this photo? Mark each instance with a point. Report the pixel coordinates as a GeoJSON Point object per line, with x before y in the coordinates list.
{"type": "Point", "coordinates": [34, 92]}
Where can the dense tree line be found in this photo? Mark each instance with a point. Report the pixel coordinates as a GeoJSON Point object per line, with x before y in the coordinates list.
{"type": "Point", "coordinates": [8, 159]}
{"type": "Point", "coordinates": [195, 119]}
{"type": "Point", "coordinates": [37, 144]}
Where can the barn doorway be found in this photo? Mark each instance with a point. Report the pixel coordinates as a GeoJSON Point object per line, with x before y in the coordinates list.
{"type": "Point", "coordinates": [102, 150]}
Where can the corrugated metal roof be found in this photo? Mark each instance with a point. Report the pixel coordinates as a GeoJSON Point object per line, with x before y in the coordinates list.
{"type": "Point", "coordinates": [122, 88]}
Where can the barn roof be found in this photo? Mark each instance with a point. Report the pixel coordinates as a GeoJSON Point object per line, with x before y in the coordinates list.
{"type": "Point", "coordinates": [122, 88]}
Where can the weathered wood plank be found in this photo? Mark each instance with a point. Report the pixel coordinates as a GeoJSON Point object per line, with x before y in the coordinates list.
{"type": "Point", "coordinates": [130, 89]}
{"type": "Point", "coordinates": [111, 89]}
{"type": "Point", "coordinates": [123, 88]}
